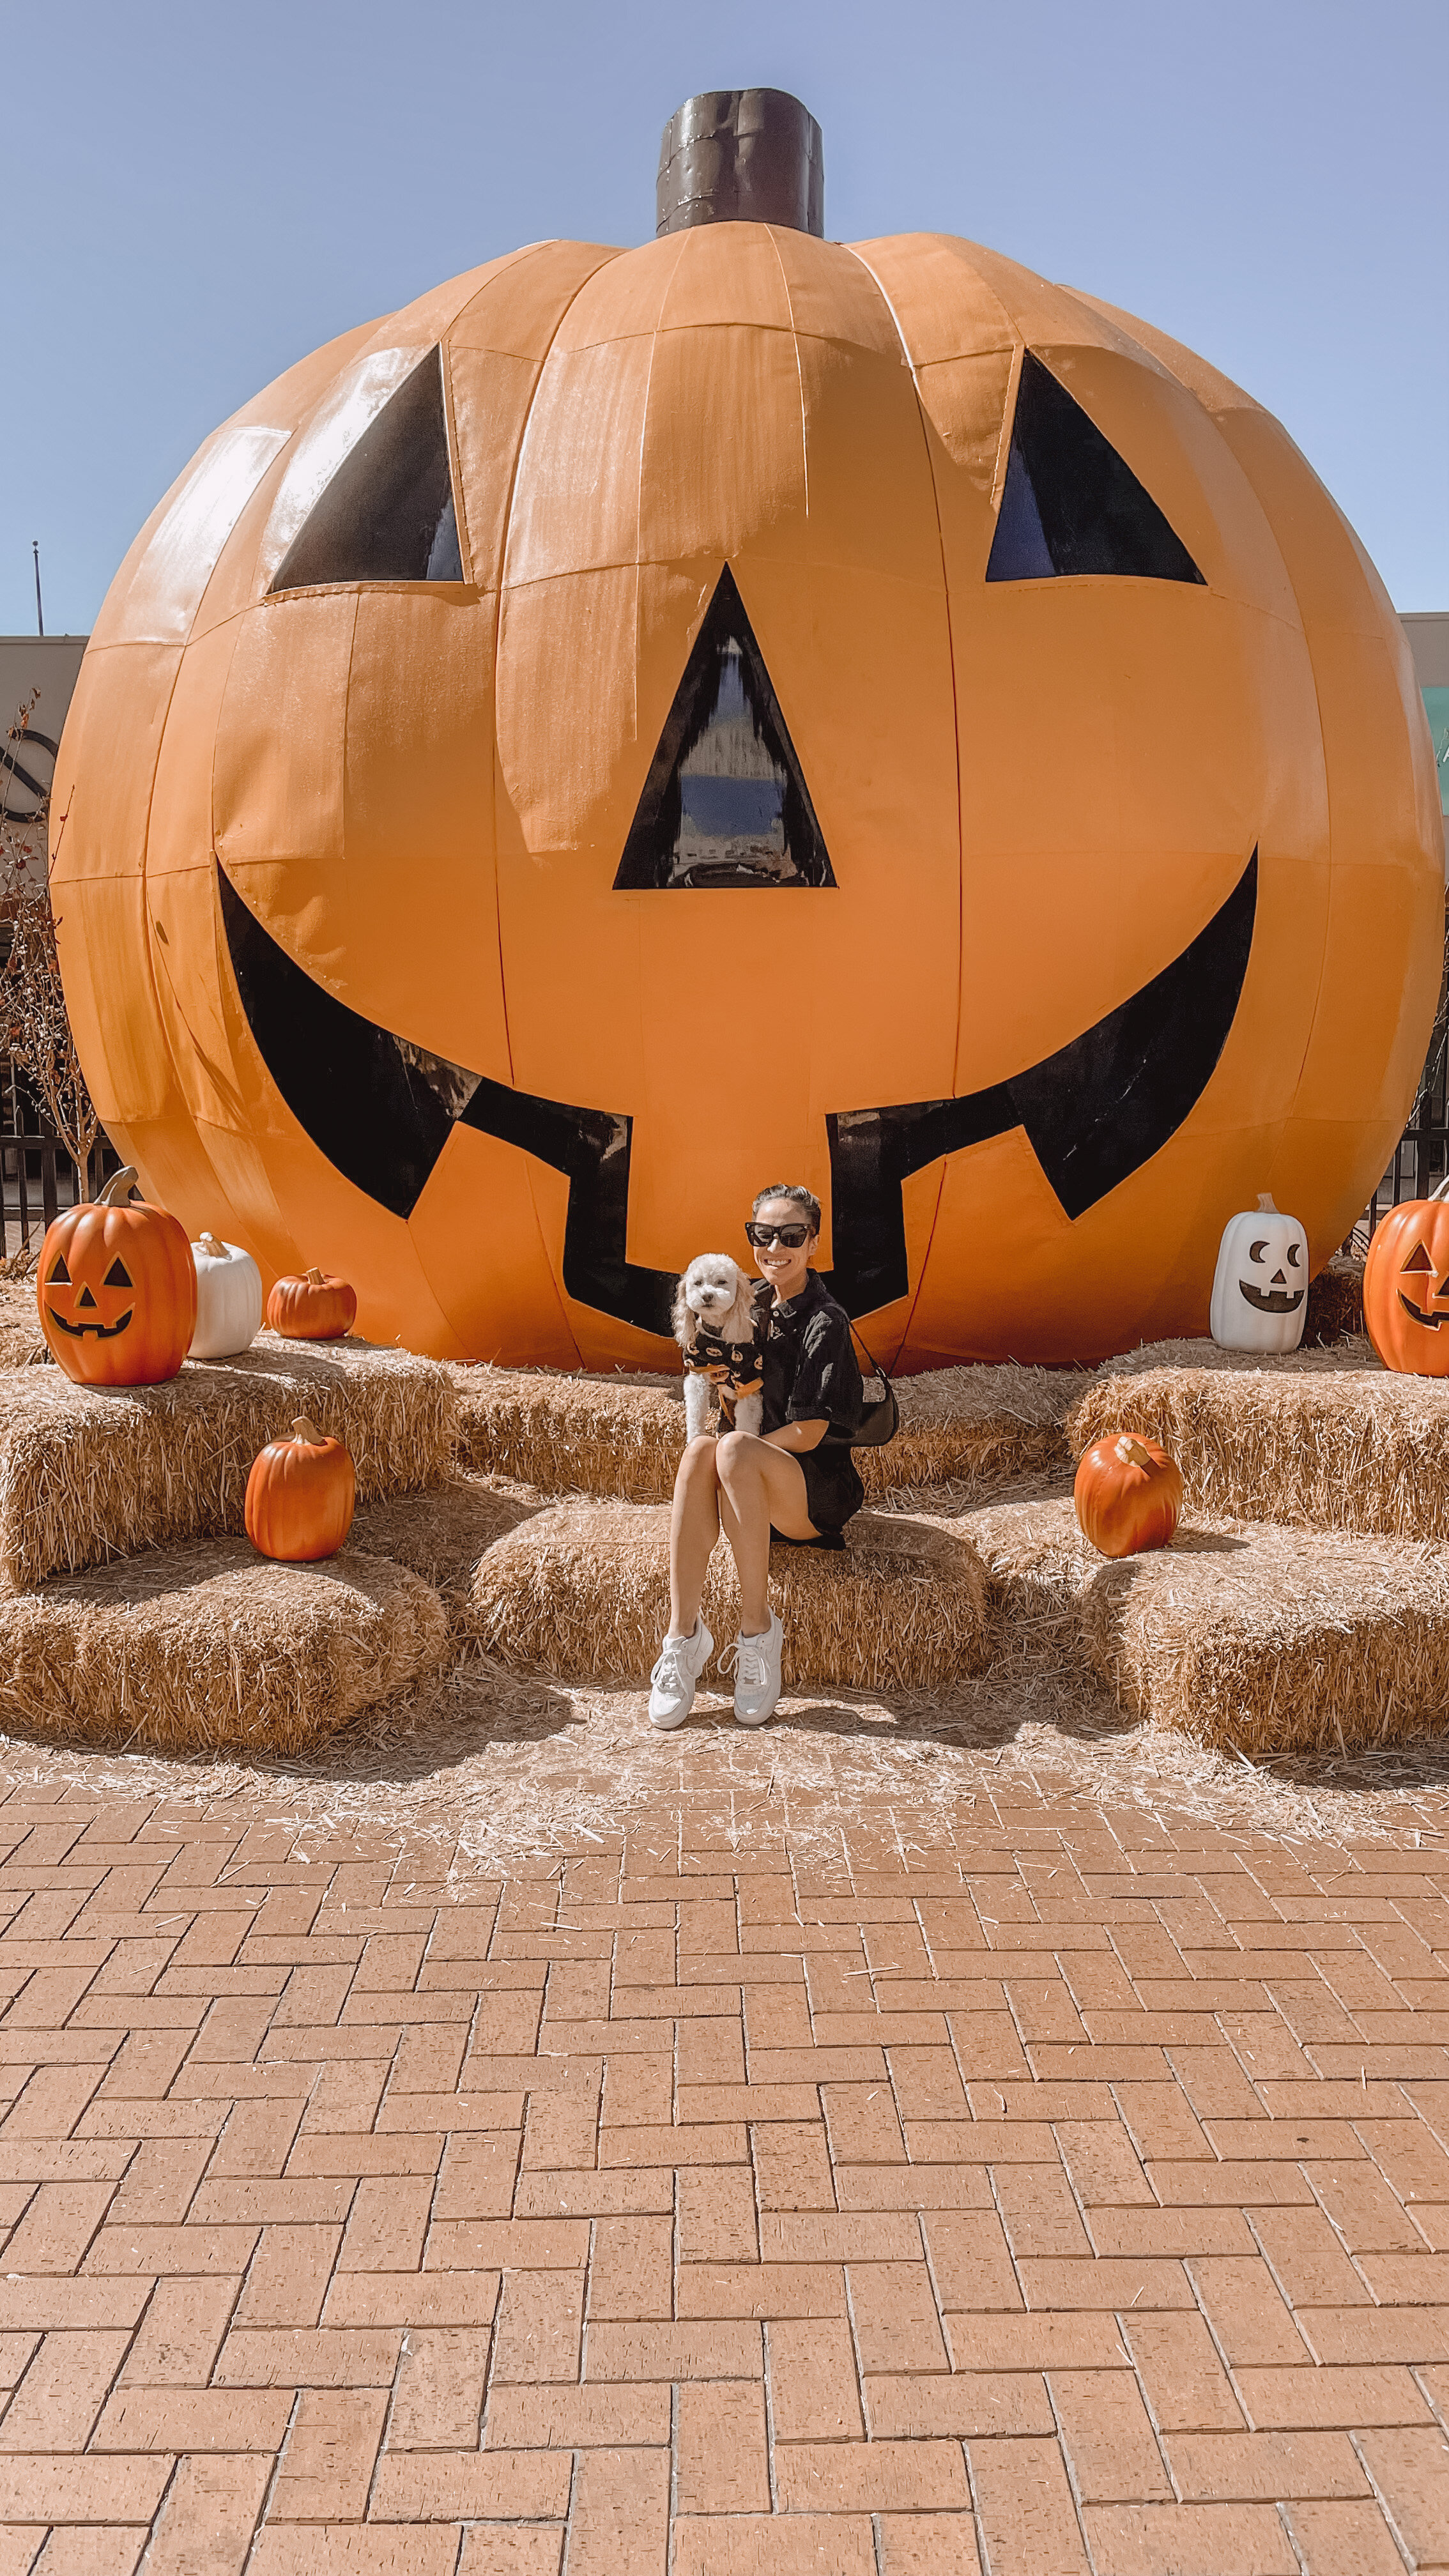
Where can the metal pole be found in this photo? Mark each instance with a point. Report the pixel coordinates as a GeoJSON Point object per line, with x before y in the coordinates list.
{"type": "Point", "coordinates": [39, 611]}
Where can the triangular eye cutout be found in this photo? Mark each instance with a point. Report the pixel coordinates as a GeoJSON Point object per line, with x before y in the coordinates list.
{"type": "Point", "coordinates": [1070, 503]}
{"type": "Point", "coordinates": [1418, 1259]}
{"type": "Point", "coordinates": [725, 802]}
{"type": "Point", "coordinates": [59, 1276]}
{"type": "Point", "coordinates": [118, 1276]}
{"type": "Point", "coordinates": [387, 514]}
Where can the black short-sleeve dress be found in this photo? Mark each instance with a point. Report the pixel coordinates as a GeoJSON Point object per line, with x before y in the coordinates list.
{"type": "Point", "coordinates": [811, 1374]}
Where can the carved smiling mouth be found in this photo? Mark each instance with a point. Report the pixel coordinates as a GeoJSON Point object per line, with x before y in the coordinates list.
{"type": "Point", "coordinates": [103, 1332]}
{"type": "Point", "coordinates": [381, 1110]}
{"type": "Point", "coordinates": [1272, 1301]}
{"type": "Point", "coordinates": [1419, 1316]}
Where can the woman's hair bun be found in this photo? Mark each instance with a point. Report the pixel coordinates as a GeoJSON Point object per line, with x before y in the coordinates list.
{"type": "Point", "coordinates": [804, 1199]}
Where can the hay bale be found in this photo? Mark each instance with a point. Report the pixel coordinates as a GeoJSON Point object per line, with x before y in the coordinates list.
{"type": "Point", "coordinates": [441, 1535]}
{"type": "Point", "coordinates": [1250, 1638]}
{"type": "Point", "coordinates": [582, 1593]}
{"type": "Point", "coordinates": [88, 1473]}
{"type": "Point", "coordinates": [986, 1425]}
{"type": "Point", "coordinates": [1335, 1301]}
{"type": "Point", "coordinates": [624, 1436]}
{"type": "Point", "coordinates": [196, 1648]}
{"type": "Point", "coordinates": [1319, 1439]}
{"type": "Point", "coordinates": [1039, 1565]}
{"type": "Point", "coordinates": [571, 1434]}
{"type": "Point", "coordinates": [1203, 1353]}
{"type": "Point", "coordinates": [20, 1333]}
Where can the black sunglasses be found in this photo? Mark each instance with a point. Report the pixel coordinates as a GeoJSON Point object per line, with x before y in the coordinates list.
{"type": "Point", "coordinates": [762, 1236]}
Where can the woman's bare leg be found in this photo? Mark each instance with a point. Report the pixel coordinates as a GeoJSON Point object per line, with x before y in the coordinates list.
{"type": "Point", "coordinates": [693, 1530]}
{"type": "Point", "coordinates": [759, 1488]}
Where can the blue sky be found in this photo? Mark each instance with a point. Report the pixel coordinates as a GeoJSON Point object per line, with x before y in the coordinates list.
{"type": "Point", "coordinates": [195, 196]}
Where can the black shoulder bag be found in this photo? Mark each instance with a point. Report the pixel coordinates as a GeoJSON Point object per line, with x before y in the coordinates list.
{"type": "Point", "coordinates": [880, 1421]}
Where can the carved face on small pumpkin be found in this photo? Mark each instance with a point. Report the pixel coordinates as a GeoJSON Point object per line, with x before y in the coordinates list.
{"type": "Point", "coordinates": [116, 1290]}
{"type": "Point", "coordinates": [1260, 1286]}
{"type": "Point", "coordinates": [1423, 1295]}
{"type": "Point", "coordinates": [874, 665]}
{"type": "Point", "coordinates": [87, 1314]}
{"type": "Point", "coordinates": [1406, 1288]}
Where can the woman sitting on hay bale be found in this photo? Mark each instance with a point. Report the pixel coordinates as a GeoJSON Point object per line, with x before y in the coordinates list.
{"type": "Point", "coordinates": [796, 1481]}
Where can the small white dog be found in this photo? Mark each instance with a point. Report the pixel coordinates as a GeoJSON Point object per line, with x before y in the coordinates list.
{"type": "Point", "coordinates": [721, 1332]}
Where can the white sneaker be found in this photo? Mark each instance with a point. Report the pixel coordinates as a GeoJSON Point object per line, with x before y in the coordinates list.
{"type": "Point", "coordinates": [757, 1674]}
{"type": "Point", "coordinates": [676, 1675]}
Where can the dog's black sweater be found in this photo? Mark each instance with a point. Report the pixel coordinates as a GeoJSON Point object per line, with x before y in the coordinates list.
{"type": "Point", "coordinates": [742, 1362]}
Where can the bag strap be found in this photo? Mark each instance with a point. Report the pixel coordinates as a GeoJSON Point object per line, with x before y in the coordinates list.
{"type": "Point", "coordinates": [875, 1367]}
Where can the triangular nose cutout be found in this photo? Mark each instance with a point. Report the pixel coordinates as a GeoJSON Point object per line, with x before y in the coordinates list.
{"type": "Point", "coordinates": [725, 802]}
{"type": "Point", "coordinates": [1070, 503]}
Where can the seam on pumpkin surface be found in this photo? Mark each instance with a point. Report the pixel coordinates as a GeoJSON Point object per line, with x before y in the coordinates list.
{"type": "Point", "coordinates": [500, 268]}
{"type": "Point", "coordinates": [684, 240]}
{"type": "Point", "coordinates": [606, 256]}
{"type": "Point", "coordinates": [799, 370]}
{"type": "Point", "coordinates": [148, 927]}
{"type": "Point", "coordinates": [956, 739]}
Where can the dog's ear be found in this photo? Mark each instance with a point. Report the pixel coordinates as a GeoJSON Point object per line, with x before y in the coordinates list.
{"type": "Point", "coordinates": [684, 1319]}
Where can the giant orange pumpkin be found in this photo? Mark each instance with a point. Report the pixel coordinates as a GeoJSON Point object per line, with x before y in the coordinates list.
{"type": "Point", "coordinates": [453, 725]}
{"type": "Point", "coordinates": [1406, 1287]}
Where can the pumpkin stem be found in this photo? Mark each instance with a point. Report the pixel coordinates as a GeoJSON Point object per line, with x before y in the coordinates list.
{"type": "Point", "coordinates": [314, 1278]}
{"type": "Point", "coordinates": [306, 1429]}
{"type": "Point", "coordinates": [210, 1244]}
{"type": "Point", "coordinates": [118, 1188]}
{"type": "Point", "coordinates": [1265, 1204]}
{"type": "Point", "coordinates": [1131, 1451]}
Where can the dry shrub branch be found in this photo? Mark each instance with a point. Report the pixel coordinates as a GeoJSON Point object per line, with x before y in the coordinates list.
{"type": "Point", "coordinates": [35, 1028]}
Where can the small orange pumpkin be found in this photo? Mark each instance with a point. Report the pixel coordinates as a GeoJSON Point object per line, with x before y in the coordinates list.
{"type": "Point", "coordinates": [116, 1290]}
{"type": "Point", "coordinates": [1128, 1494]}
{"type": "Point", "coordinates": [1406, 1287]}
{"type": "Point", "coordinates": [300, 1496]}
{"type": "Point", "coordinates": [313, 1308]}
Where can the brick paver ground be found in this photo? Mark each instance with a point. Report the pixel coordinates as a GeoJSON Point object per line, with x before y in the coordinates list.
{"type": "Point", "coordinates": [1068, 2191]}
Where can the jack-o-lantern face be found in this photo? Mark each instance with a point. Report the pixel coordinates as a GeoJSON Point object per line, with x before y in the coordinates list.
{"type": "Point", "coordinates": [1406, 1288]}
{"type": "Point", "coordinates": [1260, 1285]}
{"type": "Point", "coordinates": [439, 740]}
{"type": "Point", "coordinates": [1421, 1292]}
{"type": "Point", "coordinates": [116, 1290]}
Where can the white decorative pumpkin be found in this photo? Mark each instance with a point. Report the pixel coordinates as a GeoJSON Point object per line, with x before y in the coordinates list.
{"type": "Point", "coordinates": [228, 1300]}
{"type": "Point", "coordinates": [1260, 1286]}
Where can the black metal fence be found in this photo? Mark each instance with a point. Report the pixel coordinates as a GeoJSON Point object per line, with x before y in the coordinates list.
{"type": "Point", "coordinates": [1421, 1156]}
{"type": "Point", "coordinates": [37, 1176]}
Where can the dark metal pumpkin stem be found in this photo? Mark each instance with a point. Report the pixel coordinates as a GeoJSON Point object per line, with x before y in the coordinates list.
{"type": "Point", "coordinates": [741, 156]}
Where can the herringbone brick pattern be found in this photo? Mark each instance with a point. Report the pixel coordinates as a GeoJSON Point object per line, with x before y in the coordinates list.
{"type": "Point", "coordinates": [1071, 2195]}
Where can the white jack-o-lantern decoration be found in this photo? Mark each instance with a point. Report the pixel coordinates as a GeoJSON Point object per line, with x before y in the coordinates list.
{"type": "Point", "coordinates": [228, 1300]}
{"type": "Point", "coordinates": [1260, 1286]}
